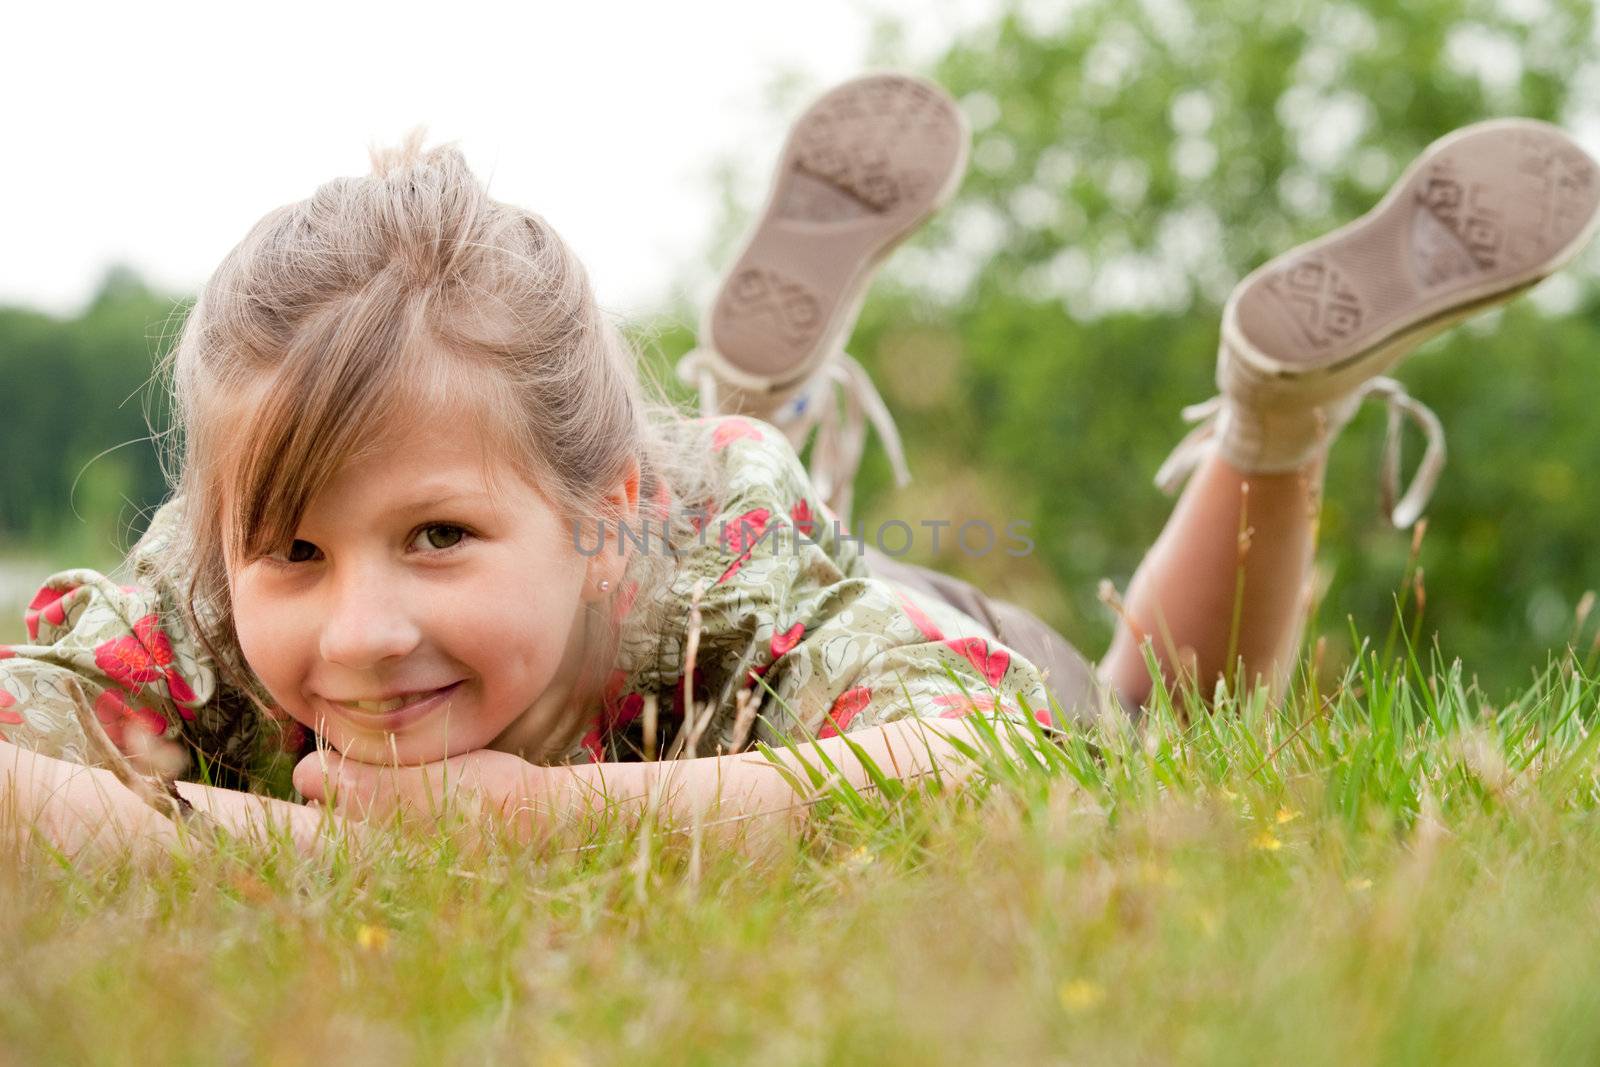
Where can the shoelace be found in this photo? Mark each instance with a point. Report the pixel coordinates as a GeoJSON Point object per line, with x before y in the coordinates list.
{"type": "Point", "coordinates": [1403, 512]}
{"type": "Point", "coordinates": [839, 421]}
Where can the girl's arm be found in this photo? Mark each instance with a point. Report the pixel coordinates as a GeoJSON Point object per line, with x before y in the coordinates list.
{"type": "Point", "coordinates": [724, 792]}
{"type": "Point", "coordinates": [83, 809]}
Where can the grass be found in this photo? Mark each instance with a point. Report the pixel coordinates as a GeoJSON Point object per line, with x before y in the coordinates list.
{"type": "Point", "coordinates": [1380, 869]}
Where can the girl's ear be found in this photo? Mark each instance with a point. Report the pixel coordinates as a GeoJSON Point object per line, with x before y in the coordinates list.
{"type": "Point", "coordinates": [606, 566]}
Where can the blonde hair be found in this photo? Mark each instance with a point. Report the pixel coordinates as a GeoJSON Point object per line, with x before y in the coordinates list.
{"type": "Point", "coordinates": [337, 315]}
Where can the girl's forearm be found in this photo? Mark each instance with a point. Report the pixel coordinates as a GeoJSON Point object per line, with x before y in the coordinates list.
{"type": "Point", "coordinates": [243, 814]}
{"type": "Point", "coordinates": [75, 808]}
{"type": "Point", "coordinates": [727, 791]}
{"type": "Point", "coordinates": [80, 808]}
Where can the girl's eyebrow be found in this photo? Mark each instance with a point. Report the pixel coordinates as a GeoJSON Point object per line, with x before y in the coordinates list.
{"type": "Point", "coordinates": [435, 499]}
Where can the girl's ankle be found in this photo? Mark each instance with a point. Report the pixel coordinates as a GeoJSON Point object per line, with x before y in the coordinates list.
{"type": "Point", "coordinates": [1273, 440]}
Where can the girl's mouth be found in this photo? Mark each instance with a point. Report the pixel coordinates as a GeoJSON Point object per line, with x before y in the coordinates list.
{"type": "Point", "coordinates": [400, 714]}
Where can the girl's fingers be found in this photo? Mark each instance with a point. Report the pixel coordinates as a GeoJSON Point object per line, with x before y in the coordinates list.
{"type": "Point", "coordinates": [367, 790]}
{"type": "Point", "coordinates": [326, 777]}
{"type": "Point", "coordinates": [343, 785]}
{"type": "Point", "coordinates": [361, 790]}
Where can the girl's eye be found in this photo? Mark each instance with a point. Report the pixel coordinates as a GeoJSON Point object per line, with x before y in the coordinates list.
{"type": "Point", "coordinates": [440, 536]}
{"type": "Point", "coordinates": [433, 539]}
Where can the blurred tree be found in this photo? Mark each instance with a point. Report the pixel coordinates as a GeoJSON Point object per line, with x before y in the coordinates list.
{"type": "Point", "coordinates": [80, 470]}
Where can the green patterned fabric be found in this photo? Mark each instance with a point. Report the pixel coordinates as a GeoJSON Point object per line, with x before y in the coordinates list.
{"type": "Point", "coordinates": [787, 610]}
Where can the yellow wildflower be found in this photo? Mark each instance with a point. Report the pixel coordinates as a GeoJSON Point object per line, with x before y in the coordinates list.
{"type": "Point", "coordinates": [1081, 995]}
{"type": "Point", "coordinates": [372, 938]}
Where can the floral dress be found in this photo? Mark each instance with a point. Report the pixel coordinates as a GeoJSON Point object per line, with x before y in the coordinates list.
{"type": "Point", "coordinates": [792, 628]}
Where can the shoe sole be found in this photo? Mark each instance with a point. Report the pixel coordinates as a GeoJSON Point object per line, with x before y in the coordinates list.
{"type": "Point", "coordinates": [1481, 215]}
{"type": "Point", "coordinates": [864, 167]}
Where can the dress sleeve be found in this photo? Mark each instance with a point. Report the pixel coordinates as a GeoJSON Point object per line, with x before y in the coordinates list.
{"type": "Point", "coordinates": [122, 651]}
{"type": "Point", "coordinates": [102, 646]}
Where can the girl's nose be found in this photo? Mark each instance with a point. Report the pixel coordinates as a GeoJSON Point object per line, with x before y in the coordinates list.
{"type": "Point", "coordinates": [367, 623]}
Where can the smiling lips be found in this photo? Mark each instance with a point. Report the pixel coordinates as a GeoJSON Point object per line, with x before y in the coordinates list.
{"type": "Point", "coordinates": [396, 711]}
{"type": "Point", "coordinates": [379, 707]}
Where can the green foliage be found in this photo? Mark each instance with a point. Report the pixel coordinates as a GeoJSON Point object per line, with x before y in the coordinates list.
{"type": "Point", "coordinates": [80, 471]}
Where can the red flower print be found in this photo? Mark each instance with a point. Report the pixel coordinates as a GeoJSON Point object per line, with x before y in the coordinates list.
{"type": "Point", "coordinates": [805, 523]}
{"type": "Point", "coordinates": [741, 536]}
{"type": "Point", "coordinates": [784, 642]}
{"type": "Point", "coordinates": [620, 718]}
{"type": "Point", "coordinates": [614, 682]}
{"type": "Point", "coordinates": [293, 738]}
{"type": "Point", "coordinates": [110, 707]}
{"type": "Point", "coordinates": [745, 530]}
{"type": "Point", "coordinates": [6, 652]}
{"type": "Point", "coordinates": [849, 704]}
{"type": "Point", "coordinates": [7, 716]}
{"type": "Point", "coordinates": [731, 430]}
{"type": "Point", "coordinates": [702, 515]}
{"type": "Point", "coordinates": [591, 741]}
{"type": "Point", "coordinates": [145, 657]}
{"type": "Point", "coordinates": [992, 665]}
{"type": "Point", "coordinates": [929, 629]}
{"type": "Point", "coordinates": [46, 604]}
{"type": "Point", "coordinates": [615, 715]}
{"type": "Point", "coordinates": [116, 714]}
{"type": "Point", "coordinates": [126, 662]}
{"type": "Point", "coordinates": [956, 705]}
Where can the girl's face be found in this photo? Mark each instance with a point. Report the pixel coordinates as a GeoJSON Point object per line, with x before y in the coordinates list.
{"type": "Point", "coordinates": [421, 602]}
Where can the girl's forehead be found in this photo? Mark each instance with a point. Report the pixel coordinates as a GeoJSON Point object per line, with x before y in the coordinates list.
{"type": "Point", "coordinates": [436, 426]}
{"type": "Point", "coordinates": [425, 443]}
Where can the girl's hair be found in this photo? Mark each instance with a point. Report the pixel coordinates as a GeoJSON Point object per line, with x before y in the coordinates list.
{"type": "Point", "coordinates": [405, 292]}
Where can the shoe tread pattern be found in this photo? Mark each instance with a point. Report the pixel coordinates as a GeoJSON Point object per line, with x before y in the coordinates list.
{"type": "Point", "coordinates": [789, 306]}
{"type": "Point", "coordinates": [1484, 216]}
{"type": "Point", "coordinates": [876, 146]}
{"type": "Point", "coordinates": [862, 168]}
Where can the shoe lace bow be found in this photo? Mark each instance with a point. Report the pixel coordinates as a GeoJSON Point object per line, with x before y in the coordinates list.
{"type": "Point", "coordinates": [838, 401]}
{"type": "Point", "coordinates": [1403, 509]}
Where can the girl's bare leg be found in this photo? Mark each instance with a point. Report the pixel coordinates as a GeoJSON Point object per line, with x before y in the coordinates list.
{"type": "Point", "coordinates": [1225, 582]}
{"type": "Point", "coordinates": [1305, 338]}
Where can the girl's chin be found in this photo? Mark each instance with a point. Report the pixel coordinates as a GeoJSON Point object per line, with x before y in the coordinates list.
{"type": "Point", "coordinates": [404, 748]}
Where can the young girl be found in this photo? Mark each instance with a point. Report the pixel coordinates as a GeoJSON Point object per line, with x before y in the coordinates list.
{"type": "Point", "coordinates": [425, 511]}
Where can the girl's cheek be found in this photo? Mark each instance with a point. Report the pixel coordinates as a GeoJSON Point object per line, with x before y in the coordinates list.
{"type": "Point", "coordinates": [257, 626]}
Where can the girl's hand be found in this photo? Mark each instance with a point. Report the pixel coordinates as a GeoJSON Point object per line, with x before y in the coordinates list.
{"type": "Point", "coordinates": [483, 780]}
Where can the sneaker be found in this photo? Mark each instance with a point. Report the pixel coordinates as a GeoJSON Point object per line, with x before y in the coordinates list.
{"type": "Point", "coordinates": [1483, 214]}
{"type": "Point", "coordinates": [862, 169]}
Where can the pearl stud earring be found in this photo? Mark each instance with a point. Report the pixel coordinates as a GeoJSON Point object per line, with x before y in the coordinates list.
{"type": "Point", "coordinates": [605, 583]}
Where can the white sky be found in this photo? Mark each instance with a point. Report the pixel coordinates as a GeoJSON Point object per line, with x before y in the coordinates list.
{"type": "Point", "coordinates": [156, 134]}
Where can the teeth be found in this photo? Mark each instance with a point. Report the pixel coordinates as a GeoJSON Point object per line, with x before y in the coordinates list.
{"type": "Point", "coordinates": [380, 707]}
